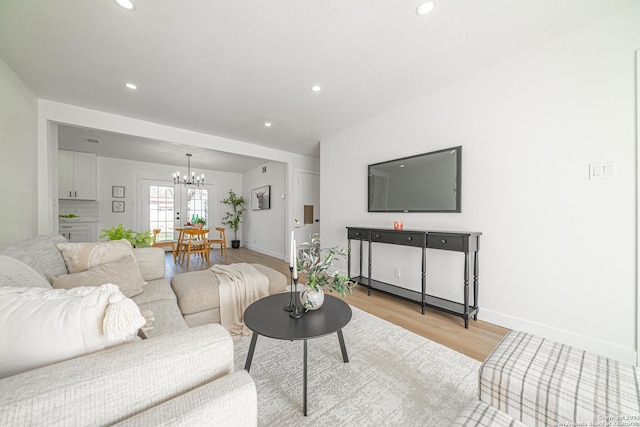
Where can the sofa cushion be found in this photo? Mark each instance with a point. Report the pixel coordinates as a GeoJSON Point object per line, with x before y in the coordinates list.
{"type": "Point", "coordinates": [40, 253]}
{"type": "Point", "coordinates": [167, 317]}
{"type": "Point", "coordinates": [105, 387]}
{"type": "Point", "coordinates": [123, 272]}
{"type": "Point", "coordinates": [82, 256]}
{"type": "Point", "coordinates": [150, 262]}
{"type": "Point", "coordinates": [203, 317]}
{"type": "Point", "coordinates": [199, 290]}
{"type": "Point", "coordinates": [42, 326]}
{"type": "Point", "coordinates": [155, 290]}
{"type": "Point", "coordinates": [18, 274]}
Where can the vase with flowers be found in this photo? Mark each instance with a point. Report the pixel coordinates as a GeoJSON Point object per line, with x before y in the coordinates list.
{"type": "Point", "coordinates": [316, 264]}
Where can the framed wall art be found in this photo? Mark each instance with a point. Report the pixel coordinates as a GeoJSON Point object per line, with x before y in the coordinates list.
{"type": "Point", "coordinates": [117, 206]}
{"type": "Point", "coordinates": [117, 191]}
{"type": "Point", "coordinates": [261, 198]}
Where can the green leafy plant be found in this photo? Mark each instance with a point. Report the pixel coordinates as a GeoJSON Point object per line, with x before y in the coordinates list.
{"type": "Point", "coordinates": [199, 220]}
{"type": "Point", "coordinates": [315, 263]}
{"type": "Point", "coordinates": [234, 218]}
{"type": "Point", "coordinates": [138, 239]}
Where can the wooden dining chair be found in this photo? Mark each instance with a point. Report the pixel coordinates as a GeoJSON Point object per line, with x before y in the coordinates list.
{"type": "Point", "coordinates": [221, 240]}
{"type": "Point", "coordinates": [194, 241]}
{"type": "Point", "coordinates": [164, 243]}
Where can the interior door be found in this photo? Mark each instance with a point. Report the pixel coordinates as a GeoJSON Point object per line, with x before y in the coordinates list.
{"type": "Point", "coordinates": [307, 209]}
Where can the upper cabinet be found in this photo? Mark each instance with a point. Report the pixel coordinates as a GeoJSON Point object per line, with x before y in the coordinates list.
{"type": "Point", "coordinates": [77, 175]}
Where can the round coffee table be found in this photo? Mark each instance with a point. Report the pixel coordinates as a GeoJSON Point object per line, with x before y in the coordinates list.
{"type": "Point", "coordinates": [266, 317]}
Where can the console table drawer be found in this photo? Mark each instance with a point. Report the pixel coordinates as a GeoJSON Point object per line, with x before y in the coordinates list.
{"type": "Point", "coordinates": [447, 242]}
{"type": "Point", "coordinates": [358, 234]}
{"type": "Point", "coordinates": [398, 238]}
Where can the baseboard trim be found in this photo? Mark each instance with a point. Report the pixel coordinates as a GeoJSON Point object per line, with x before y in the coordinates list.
{"type": "Point", "coordinates": [613, 351]}
{"type": "Point", "coordinates": [265, 251]}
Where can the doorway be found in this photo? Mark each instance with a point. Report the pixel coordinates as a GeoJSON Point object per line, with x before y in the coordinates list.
{"type": "Point", "coordinates": [307, 209]}
{"type": "Point", "coordinates": [167, 206]}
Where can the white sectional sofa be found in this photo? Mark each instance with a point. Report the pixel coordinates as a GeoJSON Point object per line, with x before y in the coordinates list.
{"type": "Point", "coordinates": [178, 376]}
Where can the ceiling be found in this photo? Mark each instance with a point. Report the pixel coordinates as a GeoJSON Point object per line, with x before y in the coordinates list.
{"type": "Point", "coordinates": [226, 67]}
{"type": "Point", "coordinates": [128, 147]}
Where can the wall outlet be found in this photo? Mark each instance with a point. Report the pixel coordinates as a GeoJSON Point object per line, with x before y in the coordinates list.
{"type": "Point", "coordinates": [397, 273]}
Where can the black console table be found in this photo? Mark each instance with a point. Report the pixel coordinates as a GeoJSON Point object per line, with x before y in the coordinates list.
{"type": "Point", "coordinates": [467, 242]}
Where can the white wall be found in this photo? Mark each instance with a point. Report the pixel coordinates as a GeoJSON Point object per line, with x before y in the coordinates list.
{"type": "Point", "coordinates": [558, 250]}
{"type": "Point", "coordinates": [128, 173]}
{"type": "Point", "coordinates": [18, 146]}
{"type": "Point", "coordinates": [265, 229]}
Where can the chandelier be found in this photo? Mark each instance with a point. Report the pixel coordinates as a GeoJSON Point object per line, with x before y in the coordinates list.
{"type": "Point", "coordinates": [190, 176]}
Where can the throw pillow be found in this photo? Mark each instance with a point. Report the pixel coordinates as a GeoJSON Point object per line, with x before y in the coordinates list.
{"type": "Point", "coordinates": [123, 272]}
{"type": "Point", "coordinates": [40, 326]}
{"type": "Point", "coordinates": [17, 273]}
{"type": "Point", "coordinates": [82, 256]}
{"type": "Point", "coordinates": [39, 252]}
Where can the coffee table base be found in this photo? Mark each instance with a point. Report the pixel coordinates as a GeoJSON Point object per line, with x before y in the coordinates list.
{"type": "Point", "coordinates": [252, 347]}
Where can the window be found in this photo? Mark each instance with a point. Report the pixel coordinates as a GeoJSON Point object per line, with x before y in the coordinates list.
{"type": "Point", "coordinates": [198, 203]}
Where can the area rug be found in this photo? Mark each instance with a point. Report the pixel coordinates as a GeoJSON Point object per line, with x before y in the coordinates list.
{"type": "Point", "coordinates": [394, 378]}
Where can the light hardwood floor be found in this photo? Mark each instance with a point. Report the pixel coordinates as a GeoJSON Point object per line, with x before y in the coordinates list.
{"type": "Point", "coordinates": [476, 342]}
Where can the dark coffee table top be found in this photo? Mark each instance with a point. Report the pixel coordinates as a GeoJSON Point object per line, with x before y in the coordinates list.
{"type": "Point", "coordinates": [266, 317]}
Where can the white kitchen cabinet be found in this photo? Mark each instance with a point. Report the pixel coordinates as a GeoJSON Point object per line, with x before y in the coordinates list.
{"type": "Point", "coordinates": [77, 175]}
{"type": "Point", "coordinates": [79, 232]}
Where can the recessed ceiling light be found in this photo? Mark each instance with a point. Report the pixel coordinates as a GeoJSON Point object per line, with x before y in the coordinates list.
{"type": "Point", "coordinates": [131, 86]}
{"type": "Point", "coordinates": [425, 7]}
{"type": "Point", "coordinates": [267, 124]}
{"type": "Point", "coordinates": [316, 88]}
{"type": "Point", "coordinates": [126, 4]}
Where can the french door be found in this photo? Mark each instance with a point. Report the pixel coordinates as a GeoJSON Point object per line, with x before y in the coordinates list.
{"type": "Point", "coordinates": [166, 206]}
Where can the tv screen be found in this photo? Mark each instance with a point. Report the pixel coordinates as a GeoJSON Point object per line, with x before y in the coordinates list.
{"type": "Point", "coordinates": [427, 182]}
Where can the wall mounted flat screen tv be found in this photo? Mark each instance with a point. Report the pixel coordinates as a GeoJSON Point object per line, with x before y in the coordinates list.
{"type": "Point", "coordinates": [429, 182]}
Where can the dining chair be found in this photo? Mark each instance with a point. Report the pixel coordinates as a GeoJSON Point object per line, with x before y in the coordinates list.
{"type": "Point", "coordinates": [221, 240]}
{"type": "Point", "coordinates": [194, 241]}
{"type": "Point", "coordinates": [164, 243]}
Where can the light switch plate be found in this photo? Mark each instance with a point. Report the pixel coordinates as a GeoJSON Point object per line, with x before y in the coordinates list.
{"type": "Point", "coordinates": [604, 170]}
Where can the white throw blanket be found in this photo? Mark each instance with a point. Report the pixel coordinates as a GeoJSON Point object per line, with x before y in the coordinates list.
{"type": "Point", "coordinates": [240, 285]}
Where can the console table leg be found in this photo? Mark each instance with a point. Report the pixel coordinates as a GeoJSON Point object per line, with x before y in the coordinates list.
{"type": "Point", "coordinates": [476, 269]}
{"type": "Point", "coordinates": [424, 279]}
{"type": "Point", "coordinates": [252, 347]}
{"type": "Point", "coordinates": [343, 348]}
{"type": "Point", "coordinates": [466, 289]}
{"type": "Point", "coordinates": [304, 386]}
{"type": "Point", "coordinates": [369, 272]}
{"type": "Point", "coordinates": [349, 259]}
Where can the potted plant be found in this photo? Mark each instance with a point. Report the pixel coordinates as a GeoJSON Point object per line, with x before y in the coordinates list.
{"type": "Point", "coordinates": [315, 264]}
{"type": "Point", "coordinates": [138, 239]}
{"type": "Point", "coordinates": [234, 218]}
{"type": "Point", "coordinates": [198, 222]}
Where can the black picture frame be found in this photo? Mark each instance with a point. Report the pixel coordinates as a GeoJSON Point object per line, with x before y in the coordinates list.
{"type": "Point", "coordinates": [117, 206]}
{"type": "Point", "coordinates": [117, 191]}
{"type": "Point", "coordinates": [261, 198]}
